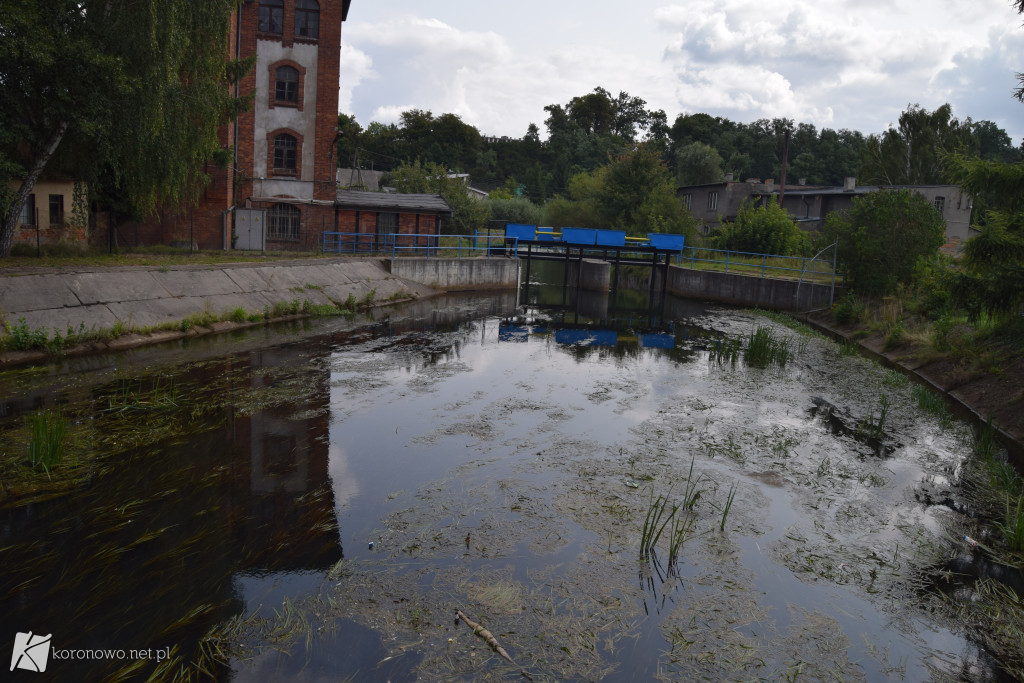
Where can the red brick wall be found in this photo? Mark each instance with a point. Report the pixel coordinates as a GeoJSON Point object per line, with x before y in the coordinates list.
{"type": "Point", "coordinates": [204, 223]}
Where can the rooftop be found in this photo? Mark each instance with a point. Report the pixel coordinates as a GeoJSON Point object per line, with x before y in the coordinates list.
{"type": "Point", "coordinates": [383, 201]}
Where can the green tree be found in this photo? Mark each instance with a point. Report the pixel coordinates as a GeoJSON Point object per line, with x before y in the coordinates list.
{"type": "Point", "coordinates": [764, 230]}
{"type": "Point", "coordinates": [638, 195]}
{"type": "Point", "coordinates": [993, 276]}
{"type": "Point", "coordinates": [697, 164]}
{"type": "Point", "coordinates": [514, 210]}
{"type": "Point", "coordinates": [349, 132]}
{"type": "Point", "coordinates": [469, 214]}
{"type": "Point", "coordinates": [123, 94]}
{"type": "Point", "coordinates": [883, 235]}
{"type": "Point", "coordinates": [912, 152]}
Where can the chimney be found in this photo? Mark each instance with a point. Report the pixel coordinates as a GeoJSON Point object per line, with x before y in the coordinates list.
{"type": "Point", "coordinates": [849, 184]}
{"type": "Point", "coordinates": [801, 181]}
{"type": "Point", "coordinates": [769, 185]}
{"type": "Point", "coordinates": [728, 177]}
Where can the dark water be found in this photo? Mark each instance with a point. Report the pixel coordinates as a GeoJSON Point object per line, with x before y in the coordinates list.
{"type": "Point", "coordinates": [487, 448]}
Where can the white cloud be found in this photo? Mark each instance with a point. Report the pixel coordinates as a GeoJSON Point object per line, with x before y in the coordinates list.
{"type": "Point", "coordinates": [826, 62]}
{"type": "Point", "coordinates": [356, 67]}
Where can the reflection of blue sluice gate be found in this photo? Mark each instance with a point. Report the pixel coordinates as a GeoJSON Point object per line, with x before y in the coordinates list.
{"type": "Point", "coordinates": [583, 336]}
{"type": "Point", "coordinates": [513, 333]}
{"type": "Point", "coordinates": [658, 341]}
{"type": "Point", "coordinates": [579, 337]}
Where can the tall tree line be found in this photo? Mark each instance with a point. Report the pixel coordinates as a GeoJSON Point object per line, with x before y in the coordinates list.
{"type": "Point", "coordinates": [590, 130]}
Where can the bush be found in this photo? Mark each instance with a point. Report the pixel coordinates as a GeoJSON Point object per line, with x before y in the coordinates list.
{"type": "Point", "coordinates": [515, 210]}
{"type": "Point", "coordinates": [883, 237]}
{"type": "Point", "coordinates": [764, 230]}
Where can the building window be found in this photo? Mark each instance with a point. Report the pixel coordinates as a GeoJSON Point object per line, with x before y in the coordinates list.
{"type": "Point", "coordinates": [28, 211]}
{"type": "Point", "coordinates": [940, 204]}
{"type": "Point", "coordinates": [283, 222]}
{"type": "Point", "coordinates": [286, 84]}
{"type": "Point", "coordinates": [307, 19]}
{"type": "Point", "coordinates": [712, 201]}
{"type": "Point", "coordinates": [686, 200]}
{"type": "Point", "coordinates": [387, 223]}
{"type": "Point", "coordinates": [56, 209]}
{"type": "Point", "coordinates": [271, 16]}
{"type": "Point", "coordinates": [286, 149]}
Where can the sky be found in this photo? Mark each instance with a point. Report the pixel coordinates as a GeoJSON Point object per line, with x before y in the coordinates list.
{"type": "Point", "coordinates": [854, 65]}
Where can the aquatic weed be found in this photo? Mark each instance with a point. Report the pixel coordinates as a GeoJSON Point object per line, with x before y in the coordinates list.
{"type": "Point", "coordinates": [896, 379]}
{"type": "Point", "coordinates": [1013, 529]}
{"type": "Point", "coordinates": [764, 349]}
{"type": "Point", "coordinates": [876, 427]}
{"type": "Point", "coordinates": [985, 444]}
{"type": "Point", "coordinates": [728, 505]}
{"type": "Point", "coordinates": [46, 447]}
{"type": "Point", "coordinates": [932, 403]}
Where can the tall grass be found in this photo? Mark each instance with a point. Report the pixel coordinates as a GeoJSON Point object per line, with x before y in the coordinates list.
{"type": "Point", "coordinates": [728, 505]}
{"type": "Point", "coordinates": [678, 519]}
{"type": "Point", "coordinates": [1013, 529]}
{"type": "Point", "coordinates": [46, 449]}
{"type": "Point", "coordinates": [875, 427]}
{"type": "Point", "coordinates": [764, 349]}
{"type": "Point", "coordinates": [932, 403]}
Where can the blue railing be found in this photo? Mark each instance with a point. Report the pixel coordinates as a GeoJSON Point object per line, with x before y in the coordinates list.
{"type": "Point", "coordinates": [486, 244]}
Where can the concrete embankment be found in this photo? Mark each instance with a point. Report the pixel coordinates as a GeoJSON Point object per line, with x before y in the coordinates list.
{"type": "Point", "coordinates": [127, 298]}
{"type": "Point", "coordinates": [747, 290]}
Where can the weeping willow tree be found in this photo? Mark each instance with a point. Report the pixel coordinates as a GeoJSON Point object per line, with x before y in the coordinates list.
{"type": "Point", "coordinates": [123, 94]}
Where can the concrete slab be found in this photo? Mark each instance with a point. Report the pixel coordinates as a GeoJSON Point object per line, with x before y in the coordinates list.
{"type": "Point", "coordinates": [35, 292]}
{"type": "Point", "coordinates": [316, 274]}
{"type": "Point", "coordinates": [366, 270]}
{"type": "Point", "coordinates": [250, 302]}
{"type": "Point", "coordinates": [248, 279]}
{"type": "Point", "coordinates": [155, 311]}
{"type": "Point", "coordinates": [339, 293]}
{"type": "Point", "coordinates": [196, 282]}
{"type": "Point", "coordinates": [279, 279]}
{"type": "Point", "coordinates": [108, 287]}
{"type": "Point", "coordinates": [94, 318]}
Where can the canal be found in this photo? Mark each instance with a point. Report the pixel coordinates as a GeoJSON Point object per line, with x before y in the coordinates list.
{"type": "Point", "coordinates": [611, 488]}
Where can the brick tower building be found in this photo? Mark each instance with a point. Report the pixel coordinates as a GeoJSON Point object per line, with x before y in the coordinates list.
{"type": "Point", "coordinates": [284, 144]}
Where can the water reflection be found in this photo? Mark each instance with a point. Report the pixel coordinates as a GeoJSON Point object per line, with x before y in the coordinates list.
{"type": "Point", "coordinates": [482, 445]}
{"type": "Point", "coordinates": [144, 555]}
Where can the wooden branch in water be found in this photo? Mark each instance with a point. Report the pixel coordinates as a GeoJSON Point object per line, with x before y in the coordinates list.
{"type": "Point", "coordinates": [486, 635]}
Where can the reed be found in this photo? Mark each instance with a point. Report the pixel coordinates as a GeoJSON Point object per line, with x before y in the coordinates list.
{"type": "Point", "coordinates": [933, 404]}
{"type": "Point", "coordinates": [46, 448]}
{"type": "Point", "coordinates": [985, 444]}
{"type": "Point", "coordinates": [1013, 529]}
{"type": "Point", "coordinates": [728, 505]}
{"type": "Point", "coordinates": [764, 349]}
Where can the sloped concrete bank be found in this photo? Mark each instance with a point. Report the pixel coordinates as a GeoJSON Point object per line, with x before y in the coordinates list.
{"type": "Point", "coordinates": [977, 398]}
{"type": "Point", "coordinates": [747, 290]}
{"type": "Point", "coordinates": [145, 297]}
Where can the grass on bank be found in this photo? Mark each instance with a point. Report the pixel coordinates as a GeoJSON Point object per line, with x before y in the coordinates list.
{"type": "Point", "coordinates": [70, 256]}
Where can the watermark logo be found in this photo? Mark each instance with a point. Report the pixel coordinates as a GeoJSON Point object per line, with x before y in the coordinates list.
{"type": "Point", "coordinates": [31, 652]}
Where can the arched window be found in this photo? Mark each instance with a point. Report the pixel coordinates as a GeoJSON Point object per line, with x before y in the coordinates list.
{"type": "Point", "coordinates": [283, 222]}
{"type": "Point", "coordinates": [286, 84]}
{"type": "Point", "coordinates": [307, 19]}
{"type": "Point", "coordinates": [286, 149]}
{"type": "Point", "coordinates": [271, 16]}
